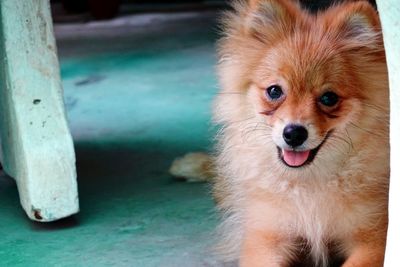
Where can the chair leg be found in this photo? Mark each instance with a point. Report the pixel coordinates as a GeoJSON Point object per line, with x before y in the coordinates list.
{"type": "Point", "coordinates": [36, 145]}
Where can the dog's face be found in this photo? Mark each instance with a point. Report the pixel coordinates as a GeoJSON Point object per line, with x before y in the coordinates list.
{"type": "Point", "coordinates": [307, 78]}
{"type": "Point", "coordinates": [305, 92]}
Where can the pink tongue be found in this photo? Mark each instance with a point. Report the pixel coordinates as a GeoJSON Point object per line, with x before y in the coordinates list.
{"type": "Point", "coordinates": [295, 158]}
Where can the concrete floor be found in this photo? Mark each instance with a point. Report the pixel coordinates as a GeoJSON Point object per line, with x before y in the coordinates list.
{"type": "Point", "coordinates": [138, 91]}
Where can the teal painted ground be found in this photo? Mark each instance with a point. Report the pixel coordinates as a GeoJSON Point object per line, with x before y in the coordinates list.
{"type": "Point", "coordinates": [138, 94]}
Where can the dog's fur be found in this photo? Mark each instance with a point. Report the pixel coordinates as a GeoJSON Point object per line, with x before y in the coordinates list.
{"type": "Point", "coordinates": [273, 212]}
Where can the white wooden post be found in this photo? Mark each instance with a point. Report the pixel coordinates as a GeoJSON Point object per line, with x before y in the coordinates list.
{"type": "Point", "coordinates": [389, 11]}
{"type": "Point", "coordinates": [36, 146]}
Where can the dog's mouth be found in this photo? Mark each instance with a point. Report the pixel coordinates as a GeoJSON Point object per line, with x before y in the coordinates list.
{"type": "Point", "coordinates": [297, 159]}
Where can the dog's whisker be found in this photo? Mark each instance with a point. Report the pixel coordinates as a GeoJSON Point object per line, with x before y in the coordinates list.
{"type": "Point", "coordinates": [365, 130]}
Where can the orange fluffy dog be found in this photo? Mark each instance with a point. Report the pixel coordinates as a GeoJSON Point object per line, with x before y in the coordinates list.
{"type": "Point", "coordinates": [303, 160]}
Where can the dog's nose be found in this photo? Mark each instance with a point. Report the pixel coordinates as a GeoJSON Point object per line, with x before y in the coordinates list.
{"type": "Point", "coordinates": [295, 135]}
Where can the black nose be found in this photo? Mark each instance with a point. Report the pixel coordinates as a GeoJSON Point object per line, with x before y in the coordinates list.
{"type": "Point", "coordinates": [295, 135]}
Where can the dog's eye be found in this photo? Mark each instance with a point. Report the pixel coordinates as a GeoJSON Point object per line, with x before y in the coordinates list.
{"type": "Point", "coordinates": [329, 99]}
{"type": "Point", "coordinates": [274, 92]}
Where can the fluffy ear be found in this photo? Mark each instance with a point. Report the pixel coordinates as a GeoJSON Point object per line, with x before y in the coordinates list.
{"type": "Point", "coordinates": [357, 22]}
{"type": "Point", "coordinates": [268, 16]}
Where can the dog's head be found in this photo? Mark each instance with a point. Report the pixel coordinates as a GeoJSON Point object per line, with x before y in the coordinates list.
{"type": "Point", "coordinates": [305, 82]}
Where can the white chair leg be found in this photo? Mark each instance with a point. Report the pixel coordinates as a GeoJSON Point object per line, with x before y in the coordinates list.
{"type": "Point", "coordinates": [36, 145]}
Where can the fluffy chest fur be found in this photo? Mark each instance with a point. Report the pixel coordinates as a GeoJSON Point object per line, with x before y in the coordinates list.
{"type": "Point", "coordinates": [320, 207]}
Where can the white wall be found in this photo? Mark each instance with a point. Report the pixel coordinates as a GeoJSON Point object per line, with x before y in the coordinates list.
{"type": "Point", "coordinates": [390, 17]}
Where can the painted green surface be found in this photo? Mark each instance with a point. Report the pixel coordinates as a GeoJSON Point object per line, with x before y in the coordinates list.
{"type": "Point", "coordinates": [136, 99]}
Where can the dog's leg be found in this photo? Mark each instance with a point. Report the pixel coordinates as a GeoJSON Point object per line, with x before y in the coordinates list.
{"type": "Point", "coordinates": [260, 249]}
{"type": "Point", "coordinates": [366, 256]}
{"type": "Point", "coordinates": [368, 249]}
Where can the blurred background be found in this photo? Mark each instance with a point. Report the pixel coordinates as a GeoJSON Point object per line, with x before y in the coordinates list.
{"type": "Point", "coordinates": [138, 81]}
{"type": "Point", "coordinates": [67, 10]}
{"type": "Point", "coordinates": [106, 9]}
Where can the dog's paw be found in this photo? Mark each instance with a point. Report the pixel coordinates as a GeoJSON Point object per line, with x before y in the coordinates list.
{"type": "Point", "coordinates": [192, 167]}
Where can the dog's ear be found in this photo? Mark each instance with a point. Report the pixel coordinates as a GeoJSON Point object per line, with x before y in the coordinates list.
{"type": "Point", "coordinates": [356, 22]}
{"type": "Point", "coordinates": [265, 17]}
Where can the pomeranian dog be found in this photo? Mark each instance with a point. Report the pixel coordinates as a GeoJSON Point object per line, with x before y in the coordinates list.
{"type": "Point", "coordinates": [303, 154]}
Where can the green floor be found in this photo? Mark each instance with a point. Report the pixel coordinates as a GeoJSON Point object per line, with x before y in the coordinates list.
{"type": "Point", "coordinates": [138, 93]}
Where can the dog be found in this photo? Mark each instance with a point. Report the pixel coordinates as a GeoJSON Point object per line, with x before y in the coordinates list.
{"type": "Point", "coordinates": [302, 162]}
